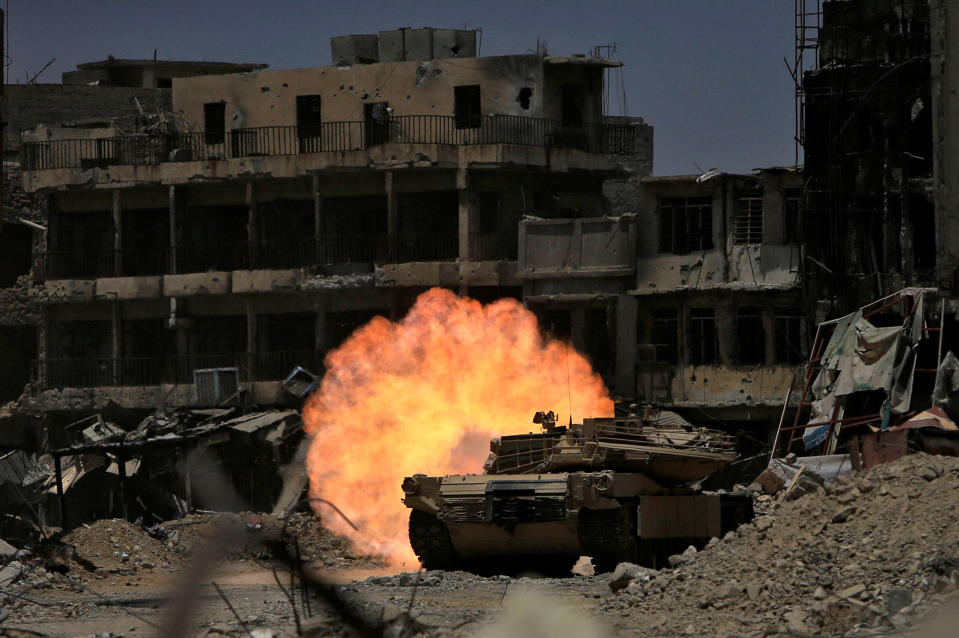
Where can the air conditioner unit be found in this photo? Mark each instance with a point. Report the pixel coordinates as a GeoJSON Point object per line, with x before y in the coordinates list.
{"type": "Point", "coordinates": [214, 386]}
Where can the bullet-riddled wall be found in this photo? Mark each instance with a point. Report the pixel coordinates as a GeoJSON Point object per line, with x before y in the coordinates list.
{"type": "Point", "coordinates": [509, 85]}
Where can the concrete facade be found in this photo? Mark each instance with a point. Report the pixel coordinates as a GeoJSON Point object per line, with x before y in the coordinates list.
{"type": "Point", "coordinates": [698, 319]}
{"type": "Point", "coordinates": [265, 242]}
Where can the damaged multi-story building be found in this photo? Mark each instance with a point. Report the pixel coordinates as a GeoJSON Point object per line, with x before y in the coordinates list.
{"type": "Point", "coordinates": [268, 213]}
{"type": "Point", "coordinates": [263, 215]}
{"type": "Point", "coordinates": [699, 288]}
{"type": "Point", "coordinates": [879, 147]}
{"type": "Point", "coordinates": [125, 94]}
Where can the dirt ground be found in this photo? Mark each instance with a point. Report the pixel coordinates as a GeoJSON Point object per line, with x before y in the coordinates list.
{"type": "Point", "coordinates": [876, 554]}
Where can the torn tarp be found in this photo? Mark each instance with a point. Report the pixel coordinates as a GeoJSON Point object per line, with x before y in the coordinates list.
{"type": "Point", "coordinates": [862, 357]}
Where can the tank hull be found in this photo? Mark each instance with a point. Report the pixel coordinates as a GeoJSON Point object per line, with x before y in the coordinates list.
{"type": "Point", "coordinates": [611, 517]}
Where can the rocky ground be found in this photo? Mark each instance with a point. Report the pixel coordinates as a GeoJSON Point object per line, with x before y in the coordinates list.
{"type": "Point", "coordinates": [875, 554]}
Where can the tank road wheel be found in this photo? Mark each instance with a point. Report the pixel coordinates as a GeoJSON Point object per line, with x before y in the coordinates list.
{"type": "Point", "coordinates": [431, 542]}
{"type": "Point", "coordinates": [607, 537]}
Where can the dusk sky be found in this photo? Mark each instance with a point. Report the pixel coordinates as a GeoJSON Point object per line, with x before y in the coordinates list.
{"type": "Point", "coordinates": [709, 76]}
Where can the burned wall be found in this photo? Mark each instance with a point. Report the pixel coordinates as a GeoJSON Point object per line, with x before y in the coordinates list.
{"type": "Point", "coordinates": [868, 147]}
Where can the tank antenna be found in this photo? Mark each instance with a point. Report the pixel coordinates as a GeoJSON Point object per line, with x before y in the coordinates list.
{"type": "Point", "coordinates": [569, 391]}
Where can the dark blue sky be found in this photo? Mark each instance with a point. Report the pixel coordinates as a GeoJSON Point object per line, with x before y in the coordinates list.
{"type": "Point", "coordinates": [708, 75]}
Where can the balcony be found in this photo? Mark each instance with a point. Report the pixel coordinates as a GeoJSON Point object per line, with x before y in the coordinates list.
{"type": "Point", "coordinates": [148, 371]}
{"type": "Point", "coordinates": [152, 150]}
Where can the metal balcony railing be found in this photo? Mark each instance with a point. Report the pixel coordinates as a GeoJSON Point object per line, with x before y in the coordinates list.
{"type": "Point", "coordinates": [150, 150]}
{"type": "Point", "coordinates": [427, 247]}
{"type": "Point", "coordinates": [89, 264]}
{"type": "Point", "coordinates": [270, 254]}
{"type": "Point", "coordinates": [136, 371]}
{"type": "Point", "coordinates": [493, 247]}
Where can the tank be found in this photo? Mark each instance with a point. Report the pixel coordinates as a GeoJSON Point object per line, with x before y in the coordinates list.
{"type": "Point", "coordinates": [614, 489]}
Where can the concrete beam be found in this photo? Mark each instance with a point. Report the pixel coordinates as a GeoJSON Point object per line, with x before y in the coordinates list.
{"type": "Point", "coordinates": [625, 346]}
{"type": "Point", "coordinates": [392, 216]}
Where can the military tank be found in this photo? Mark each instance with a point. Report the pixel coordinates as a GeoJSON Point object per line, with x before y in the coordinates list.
{"type": "Point", "coordinates": [615, 489]}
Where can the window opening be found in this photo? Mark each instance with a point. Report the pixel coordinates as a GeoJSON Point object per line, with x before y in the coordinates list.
{"type": "Point", "coordinates": [685, 224]}
{"type": "Point", "coordinates": [524, 97]}
{"type": "Point", "coordinates": [376, 115]}
{"type": "Point", "coordinates": [749, 218]}
{"type": "Point", "coordinates": [574, 105]}
{"type": "Point", "coordinates": [703, 344]}
{"type": "Point", "coordinates": [214, 122]}
{"type": "Point", "coordinates": [750, 336]}
{"type": "Point", "coordinates": [309, 123]}
{"type": "Point", "coordinates": [665, 335]}
{"type": "Point", "coordinates": [466, 106]}
{"type": "Point", "coordinates": [789, 341]}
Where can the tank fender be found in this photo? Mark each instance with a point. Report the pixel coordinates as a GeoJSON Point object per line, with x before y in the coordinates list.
{"type": "Point", "coordinates": [422, 503]}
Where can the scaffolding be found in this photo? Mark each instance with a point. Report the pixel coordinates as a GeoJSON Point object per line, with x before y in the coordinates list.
{"type": "Point", "coordinates": [808, 21]}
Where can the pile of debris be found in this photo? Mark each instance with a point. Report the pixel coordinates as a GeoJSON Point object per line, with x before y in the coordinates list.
{"type": "Point", "coordinates": [864, 552]}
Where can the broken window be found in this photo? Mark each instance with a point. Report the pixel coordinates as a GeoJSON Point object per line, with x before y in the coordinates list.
{"type": "Point", "coordinates": [701, 334]}
{"type": "Point", "coordinates": [791, 215]}
{"type": "Point", "coordinates": [750, 336]}
{"type": "Point", "coordinates": [685, 224]}
{"type": "Point", "coordinates": [665, 335]}
{"type": "Point", "coordinates": [524, 97]}
{"type": "Point", "coordinates": [214, 122]}
{"type": "Point", "coordinates": [376, 115]}
{"type": "Point", "coordinates": [749, 218]}
{"type": "Point", "coordinates": [16, 253]}
{"type": "Point", "coordinates": [789, 329]}
{"type": "Point", "coordinates": [309, 123]}
{"type": "Point", "coordinates": [574, 105]}
{"type": "Point", "coordinates": [466, 106]}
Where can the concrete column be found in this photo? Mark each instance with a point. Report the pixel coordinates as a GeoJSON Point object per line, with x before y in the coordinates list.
{"type": "Point", "coordinates": [392, 218]}
{"type": "Point", "coordinates": [319, 336]}
{"type": "Point", "coordinates": [173, 203]}
{"type": "Point", "coordinates": [319, 219]}
{"type": "Point", "coordinates": [251, 223]}
{"type": "Point", "coordinates": [117, 234]}
{"type": "Point", "coordinates": [944, 63]}
{"type": "Point", "coordinates": [43, 345]}
{"type": "Point", "coordinates": [466, 214]}
{"type": "Point", "coordinates": [115, 340]}
{"type": "Point", "coordinates": [53, 225]}
{"type": "Point", "coordinates": [625, 346]}
{"type": "Point", "coordinates": [251, 345]}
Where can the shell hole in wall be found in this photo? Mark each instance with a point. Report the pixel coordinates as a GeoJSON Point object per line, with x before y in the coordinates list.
{"type": "Point", "coordinates": [524, 97]}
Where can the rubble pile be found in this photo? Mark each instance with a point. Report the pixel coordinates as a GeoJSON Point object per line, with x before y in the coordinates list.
{"type": "Point", "coordinates": [864, 553]}
{"type": "Point", "coordinates": [319, 545]}
{"type": "Point", "coordinates": [117, 546]}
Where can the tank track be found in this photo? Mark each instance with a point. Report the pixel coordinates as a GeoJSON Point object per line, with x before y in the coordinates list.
{"type": "Point", "coordinates": [431, 542]}
{"type": "Point", "coordinates": [607, 537]}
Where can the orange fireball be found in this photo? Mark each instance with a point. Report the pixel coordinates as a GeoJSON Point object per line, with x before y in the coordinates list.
{"type": "Point", "coordinates": [425, 395]}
